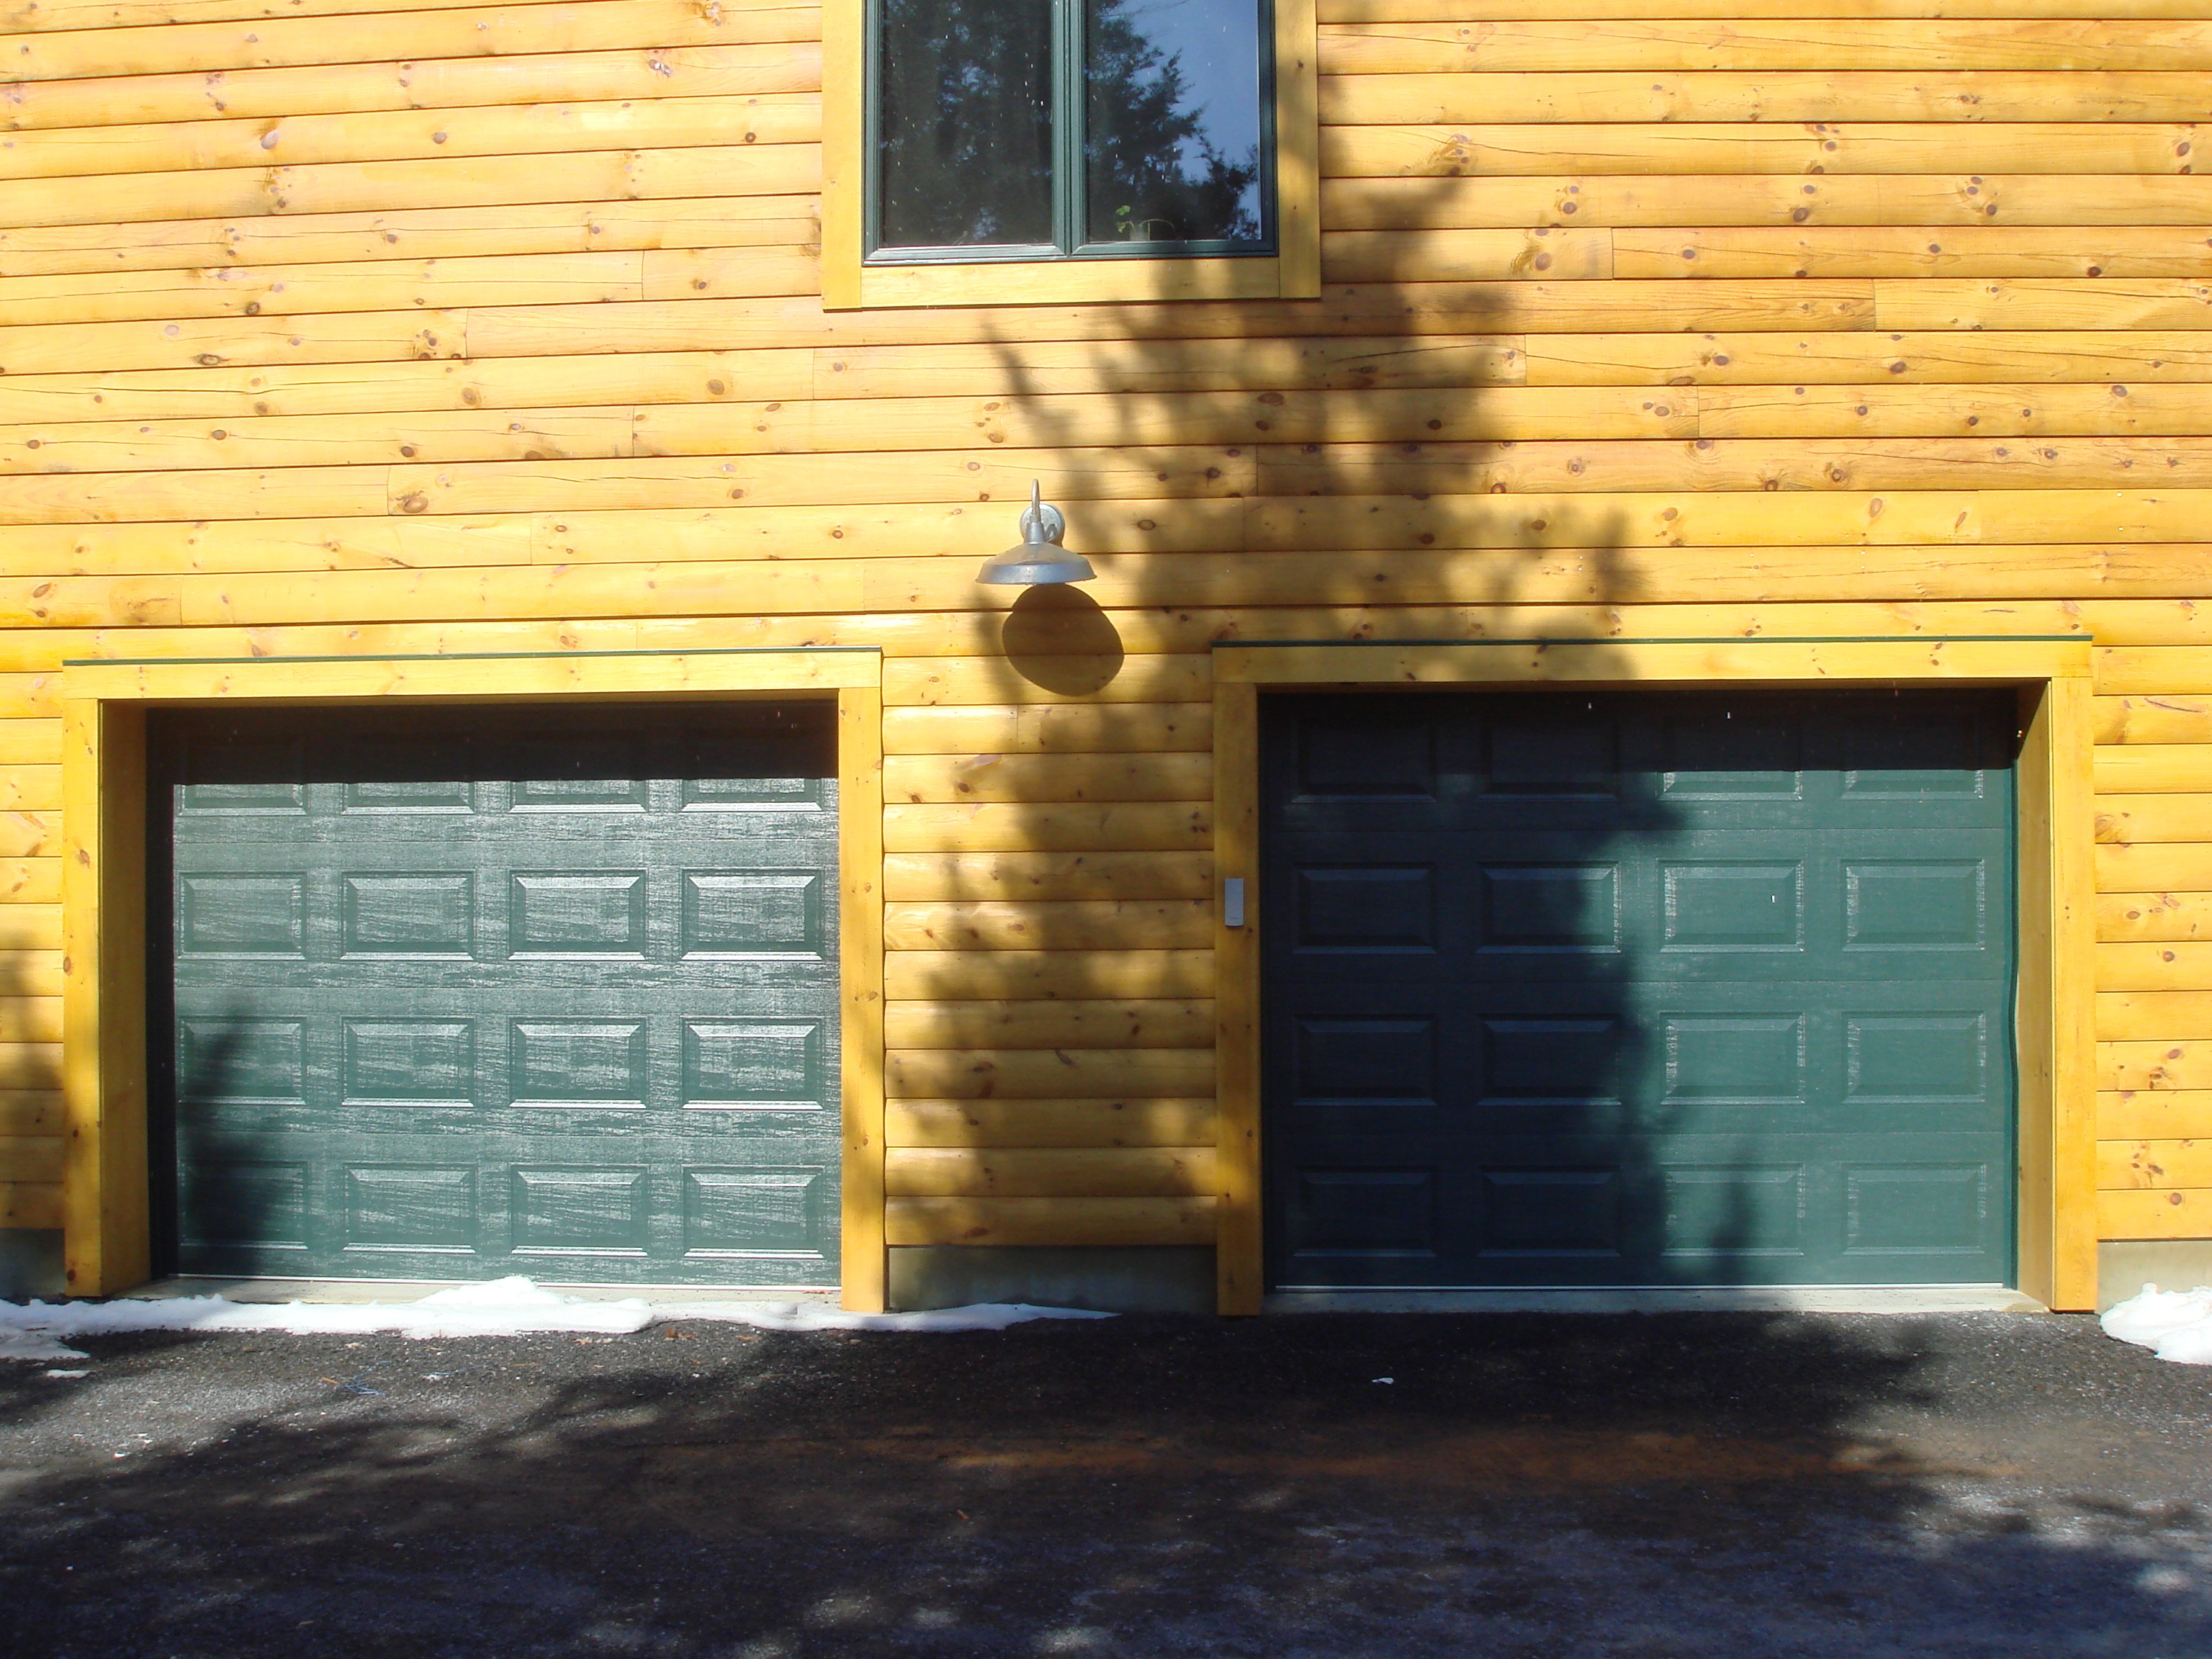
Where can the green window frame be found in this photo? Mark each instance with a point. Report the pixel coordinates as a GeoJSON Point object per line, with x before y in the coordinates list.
{"type": "Point", "coordinates": [1069, 120]}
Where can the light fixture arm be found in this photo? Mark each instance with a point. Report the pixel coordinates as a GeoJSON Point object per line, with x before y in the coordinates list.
{"type": "Point", "coordinates": [1040, 521]}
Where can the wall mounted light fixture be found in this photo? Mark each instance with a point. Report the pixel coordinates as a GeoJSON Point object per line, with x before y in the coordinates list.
{"type": "Point", "coordinates": [1038, 560]}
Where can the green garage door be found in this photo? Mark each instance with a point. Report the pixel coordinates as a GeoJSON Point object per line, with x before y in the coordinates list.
{"type": "Point", "coordinates": [459, 995]}
{"type": "Point", "coordinates": [1647, 989]}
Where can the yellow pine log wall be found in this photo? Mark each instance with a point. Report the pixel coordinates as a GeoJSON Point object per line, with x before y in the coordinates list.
{"type": "Point", "coordinates": [396, 326]}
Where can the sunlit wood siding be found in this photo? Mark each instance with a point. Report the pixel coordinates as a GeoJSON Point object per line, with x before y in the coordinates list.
{"type": "Point", "coordinates": [359, 326]}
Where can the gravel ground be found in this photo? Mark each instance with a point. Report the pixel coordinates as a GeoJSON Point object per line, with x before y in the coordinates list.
{"type": "Point", "coordinates": [1736, 1484]}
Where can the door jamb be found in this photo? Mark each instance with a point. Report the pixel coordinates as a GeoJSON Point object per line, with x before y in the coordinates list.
{"type": "Point", "coordinates": [2055, 1212]}
{"type": "Point", "coordinates": [105, 1192]}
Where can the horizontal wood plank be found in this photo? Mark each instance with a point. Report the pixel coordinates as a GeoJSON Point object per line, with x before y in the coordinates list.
{"type": "Point", "coordinates": [1047, 1074]}
{"type": "Point", "coordinates": [2154, 1066]}
{"type": "Point", "coordinates": [1563, 194]}
{"type": "Point", "coordinates": [393, 135]}
{"type": "Point", "coordinates": [2154, 769]}
{"type": "Point", "coordinates": [2135, 820]}
{"type": "Point", "coordinates": [30, 1204]}
{"type": "Point", "coordinates": [1133, 1122]}
{"type": "Point", "coordinates": [1064, 779]}
{"type": "Point", "coordinates": [2154, 1016]}
{"type": "Point", "coordinates": [2154, 1214]}
{"type": "Point", "coordinates": [2154, 719]}
{"type": "Point", "coordinates": [1076, 925]}
{"type": "Point", "coordinates": [34, 1112]}
{"type": "Point", "coordinates": [1048, 1221]}
{"type": "Point", "coordinates": [489, 31]}
{"type": "Point", "coordinates": [660, 70]}
{"type": "Point", "coordinates": [959, 975]}
{"type": "Point", "coordinates": [1601, 154]}
{"type": "Point", "coordinates": [1781, 96]}
{"type": "Point", "coordinates": [427, 233]}
{"type": "Point", "coordinates": [1056, 1172]}
{"type": "Point", "coordinates": [1852, 46]}
{"type": "Point", "coordinates": [2168, 867]}
{"type": "Point", "coordinates": [1164, 826]}
{"type": "Point", "coordinates": [1066, 678]}
{"type": "Point", "coordinates": [2154, 1115]}
{"type": "Point", "coordinates": [1032, 876]}
{"type": "Point", "coordinates": [1700, 253]}
{"type": "Point", "coordinates": [28, 1019]}
{"type": "Point", "coordinates": [1031, 1023]}
{"type": "Point", "coordinates": [29, 1159]}
{"type": "Point", "coordinates": [2154, 916]}
{"type": "Point", "coordinates": [1141, 728]}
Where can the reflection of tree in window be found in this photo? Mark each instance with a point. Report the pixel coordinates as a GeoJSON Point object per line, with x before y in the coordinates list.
{"type": "Point", "coordinates": [1172, 121]}
{"type": "Point", "coordinates": [964, 122]}
{"type": "Point", "coordinates": [1170, 111]}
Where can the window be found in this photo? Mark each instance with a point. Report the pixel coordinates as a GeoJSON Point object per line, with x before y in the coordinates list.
{"type": "Point", "coordinates": [1004, 152]}
{"type": "Point", "coordinates": [1044, 129]}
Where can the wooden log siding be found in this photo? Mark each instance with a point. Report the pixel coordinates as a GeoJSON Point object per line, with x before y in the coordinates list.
{"type": "Point", "coordinates": [387, 326]}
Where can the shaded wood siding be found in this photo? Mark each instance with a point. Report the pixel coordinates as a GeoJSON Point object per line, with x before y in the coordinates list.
{"type": "Point", "coordinates": [394, 326]}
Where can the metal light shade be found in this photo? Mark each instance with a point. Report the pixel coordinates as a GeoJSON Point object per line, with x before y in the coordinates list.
{"type": "Point", "coordinates": [1038, 561]}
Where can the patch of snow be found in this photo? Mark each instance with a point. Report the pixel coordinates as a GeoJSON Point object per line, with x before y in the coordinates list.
{"type": "Point", "coordinates": [29, 1346]}
{"type": "Point", "coordinates": [503, 1307]}
{"type": "Point", "coordinates": [2175, 1325]}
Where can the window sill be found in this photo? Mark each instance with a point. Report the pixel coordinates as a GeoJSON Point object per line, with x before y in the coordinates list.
{"type": "Point", "coordinates": [1059, 282]}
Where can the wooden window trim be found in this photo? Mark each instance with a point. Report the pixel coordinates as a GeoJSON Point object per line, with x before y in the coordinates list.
{"type": "Point", "coordinates": [850, 283]}
{"type": "Point", "coordinates": [2056, 998]}
{"type": "Point", "coordinates": [107, 1234]}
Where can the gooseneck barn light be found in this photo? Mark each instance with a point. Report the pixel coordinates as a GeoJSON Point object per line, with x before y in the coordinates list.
{"type": "Point", "coordinates": [1038, 561]}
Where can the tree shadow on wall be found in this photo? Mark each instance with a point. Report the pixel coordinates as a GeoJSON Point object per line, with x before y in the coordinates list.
{"type": "Point", "coordinates": [1349, 470]}
{"type": "Point", "coordinates": [1367, 467]}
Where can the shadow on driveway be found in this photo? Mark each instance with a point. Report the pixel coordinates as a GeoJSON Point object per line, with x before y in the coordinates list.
{"type": "Point", "coordinates": [1665, 1485]}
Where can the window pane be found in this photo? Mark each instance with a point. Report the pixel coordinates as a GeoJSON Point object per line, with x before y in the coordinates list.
{"type": "Point", "coordinates": [964, 116]}
{"type": "Point", "coordinates": [1172, 137]}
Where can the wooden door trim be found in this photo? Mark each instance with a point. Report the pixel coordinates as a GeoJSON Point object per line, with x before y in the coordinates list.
{"type": "Point", "coordinates": [105, 1174]}
{"type": "Point", "coordinates": [2055, 1023]}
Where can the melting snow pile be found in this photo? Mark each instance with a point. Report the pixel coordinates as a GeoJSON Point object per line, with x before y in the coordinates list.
{"type": "Point", "coordinates": [505, 1307]}
{"type": "Point", "coordinates": [2174, 1325]}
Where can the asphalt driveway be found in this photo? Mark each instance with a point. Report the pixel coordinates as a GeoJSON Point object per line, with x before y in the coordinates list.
{"type": "Point", "coordinates": [1660, 1485]}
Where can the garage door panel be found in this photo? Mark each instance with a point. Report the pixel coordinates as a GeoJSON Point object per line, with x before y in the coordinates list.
{"type": "Point", "coordinates": [1753, 758]}
{"type": "Point", "coordinates": [1371, 1213]}
{"type": "Point", "coordinates": [242, 1194]}
{"type": "Point", "coordinates": [1740, 1058]}
{"type": "Point", "coordinates": [1555, 1213]}
{"type": "Point", "coordinates": [1533, 751]}
{"type": "Point", "coordinates": [527, 996]}
{"type": "Point", "coordinates": [1359, 753]}
{"type": "Point", "coordinates": [1737, 1214]}
{"type": "Point", "coordinates": [1364, 909]}
{"type": "Point", "coordinates": [1676, 979]}
{"type": "Point", "coordinates": [1573, 906]}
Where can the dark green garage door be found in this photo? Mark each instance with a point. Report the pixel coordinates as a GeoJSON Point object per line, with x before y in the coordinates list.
{"type": "Point", "coordinates": [1643, 989]}
{"type": "Point", "coordinates": [459, 994]}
